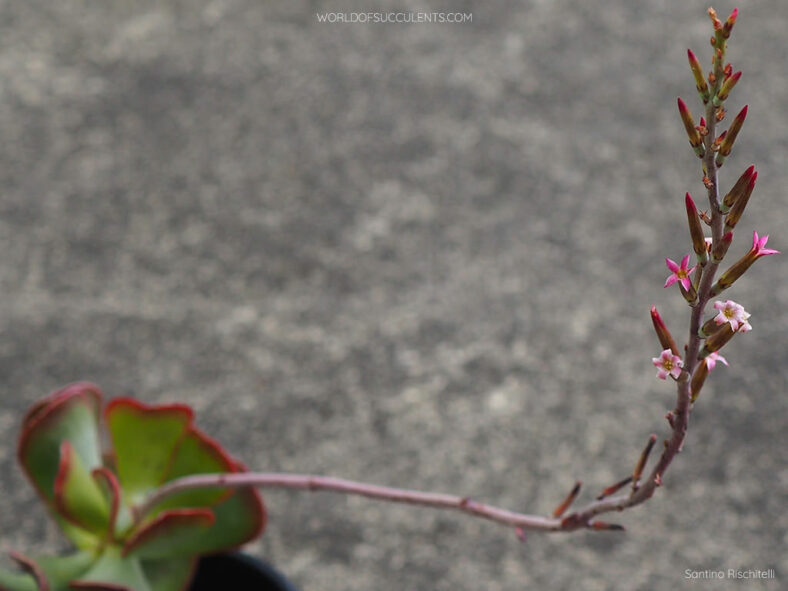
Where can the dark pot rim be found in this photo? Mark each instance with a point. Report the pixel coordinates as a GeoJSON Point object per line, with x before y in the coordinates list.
{"type": "Point", "coordinates": [244, 562]}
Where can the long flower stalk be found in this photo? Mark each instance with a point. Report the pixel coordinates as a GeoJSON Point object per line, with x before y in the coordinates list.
{"type": "Point", "coordinates": [689, 373]}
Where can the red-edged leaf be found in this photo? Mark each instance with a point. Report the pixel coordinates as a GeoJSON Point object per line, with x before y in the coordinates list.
{"type": "Point", "coordinates": [70, 414]}
{"type": "Point", "coordinates": [58, 570]}
{"type": "Point", "coordinates": [198, 454]}
{"type": "Point", "coordinates": [174, 533]}
{"type": "Point", "coordinates": [239, 519]}
{"type": "Point", "coordinates": [111, 489]}
{"type": "Point", "coordinates": [77, 497]}
{"type": "Point", "coordinates": [31, 567]}
{"type": "Point", "coordinates": [144, 439]}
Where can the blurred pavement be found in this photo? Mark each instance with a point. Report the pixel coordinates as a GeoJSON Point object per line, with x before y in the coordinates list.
{"type": "Point", "coordinates": [420, 255]}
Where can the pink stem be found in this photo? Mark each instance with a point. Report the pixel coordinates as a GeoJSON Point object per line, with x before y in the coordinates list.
{"type": "Point", "coordinates": [349, 487]}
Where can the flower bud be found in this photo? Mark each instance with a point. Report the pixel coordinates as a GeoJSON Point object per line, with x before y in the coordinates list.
{"type": "Point", "coordinates": [689, 125]}
{"type": "Point", "coordinates": [696, 230]}
{"type": "Point", "coordinates": [689, 294]}
{"type": "Point", "coordinates": [727, 86]}
{"type": "Point", "coordinates": [718, 340]}
{"type": "Point", "coordinates": [731, 274]}
{"type": "Point", "coordinates": [663, 334]}
{"type": "Point", "coordinates": [715, 145]}
{"type": "Point", "coordinates": [641, 464]}
{"type": "Point", "coordinates": [714, 19]}
{"type": "Point", "coordinates": [738, 189]}
{"type": "Point", "coordinates": [721, 247]}
{"type": "Point", "coordinates": [738, 207]}
{"type": "Point", "coordinates": [733, 131]}
{"type": "Point", "coordinates": [614, 488]}
{"type": "Point", "coordinates": [726, 28]}
{"type": "Point", "coordinates": [700, 80]}
{"type": "Point", "coordinates": [697, 380]}
{"type": "Point", "coordinates": [570, 498]}
{"type": "Point", "coordinates": [709, 328]}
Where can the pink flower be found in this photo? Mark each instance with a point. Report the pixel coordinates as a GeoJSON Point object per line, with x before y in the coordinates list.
{"type": "Point", "coordinates": [733, 313]}
{"type": "Point", "coordinates": [680, 273]}
{"type": "Point", "coordinates": [667, 364]}
{"type": "Point", "coordinates": [758, 246]}
{"type": "Point", "coordinates": [713, 358]}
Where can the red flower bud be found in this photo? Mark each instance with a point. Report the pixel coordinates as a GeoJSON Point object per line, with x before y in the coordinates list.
{"type": "Point", "coordinates": [738, 207]}
{"type": "Point", "coordinates": [689, 125]}
{"type": "Point", "coordinates": [727, 144]}
{"type": "Point", "coordinates": [663, 334]}
{"type": "Point", "coordinates": [696, 230]}
{"type": "Point", "coordinates": [700, 80]}
{"type": "Point", "coordinates": [738, 189]}
{"type": "Point", "coordinates": [727, 86]}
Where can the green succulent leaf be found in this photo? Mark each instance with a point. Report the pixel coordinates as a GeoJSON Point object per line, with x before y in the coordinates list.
{"type": "Point", "coordinates": [114, 572]}
{"type": "Point", "coordinates": [239, 519]}
{"type": "Point", "coordinates": [70, 414]}
{"type": "Point", "coordinates": [180, 532]}
{"type": "Point", "coordinates": [78, 497]}
{"type": "Point", "coordinates": [171, 574]}
{"type": "Point", "coordinates": [174, 533]}
{"type": "Point", "coordinates": [144, 439]}
{"type": "Point", "coordinates": [59, 570]}
{"type": "Point", "coordinates": [82, 538]}
{"type": "Point", "coordinates": [13, 581]}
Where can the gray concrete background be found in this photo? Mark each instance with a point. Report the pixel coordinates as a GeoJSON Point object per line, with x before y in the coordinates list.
{"type": "Point", "coordinates": [420, 255]}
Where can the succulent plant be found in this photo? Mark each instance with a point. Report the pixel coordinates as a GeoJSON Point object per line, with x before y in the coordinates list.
{"type": "Point", "coordinates": [93, 492]}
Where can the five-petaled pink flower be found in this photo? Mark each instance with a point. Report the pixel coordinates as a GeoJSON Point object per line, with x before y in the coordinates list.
{"type": "Point", "coordinates": [759, 246]}
{"type": "Point", "coordinates": [733, 313]}
{"type": "Point", "coordinates": [713, 358]}
{"type": "Point", "coordinates": [680, 273]}
{"type": "Point", "coordinates": [667, 364]}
